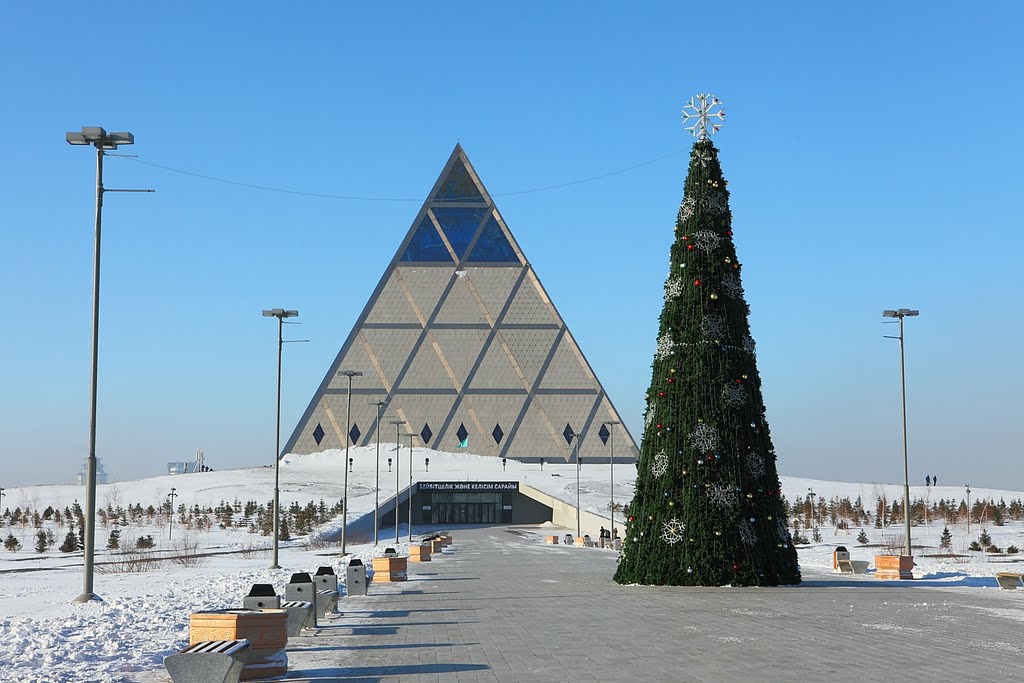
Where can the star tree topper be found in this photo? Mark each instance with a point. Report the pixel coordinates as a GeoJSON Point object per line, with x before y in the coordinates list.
{"type": "Point", "coordinates": [703, 108]}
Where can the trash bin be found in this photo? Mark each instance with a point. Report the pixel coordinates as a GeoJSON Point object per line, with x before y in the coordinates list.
{"type": "Point", "coordinates": [841, 553]}
{"type": "Point", "coordinates": [301, 587]}
{"type": "Point", "coordinates": [389, 551]}
{"type": "Point", "coordinates": [261, 596]}
{"type": "Point", "coordinates": [355, 578]}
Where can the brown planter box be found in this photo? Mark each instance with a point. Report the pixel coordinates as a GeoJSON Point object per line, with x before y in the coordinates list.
{"type": "Point", "coordinates": [581, 541]}
{"type": "Point", "coordinates": [446, 540]}
{"type": "Point", "coordinates": [390, 569]}
{"type": "Point", "coordinates": [436, 545]}
{"type": "Point", "coordinates": [419, 553]}
{"type": "Point", "coordinates": [894, 567]}
{"type": "Point", "coordinates": [266, 631]}
{"type": "Point", "coordinates": [551, 540]}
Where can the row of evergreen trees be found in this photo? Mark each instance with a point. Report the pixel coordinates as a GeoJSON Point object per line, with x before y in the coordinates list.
{"type": "Point", "coordinates": [252, 516]}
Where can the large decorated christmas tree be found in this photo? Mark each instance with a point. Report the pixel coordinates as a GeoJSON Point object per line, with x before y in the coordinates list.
{"type": "Point", "coordinates": [707, 509]}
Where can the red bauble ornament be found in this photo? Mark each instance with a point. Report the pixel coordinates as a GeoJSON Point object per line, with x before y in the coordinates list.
{"type": "Point", "coordinates": [632, 518]}
{"type": "Point", "coordinates": [661, 394]}
{"type": "Point", "coordinates": [735, 567]}
{"type": "Point", "coordinates": [689, 246]}
{"type": "Point", "coordinates": [696, 283]}
{"type": "Point", "coordinates": [670, 380]}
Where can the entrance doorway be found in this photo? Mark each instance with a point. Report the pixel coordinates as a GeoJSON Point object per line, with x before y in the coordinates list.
{"type": "Point", "coordinates": [466, 508]}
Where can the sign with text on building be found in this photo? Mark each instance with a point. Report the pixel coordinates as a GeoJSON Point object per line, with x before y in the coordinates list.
{"type": "Point", "coordinates": [468, 486]}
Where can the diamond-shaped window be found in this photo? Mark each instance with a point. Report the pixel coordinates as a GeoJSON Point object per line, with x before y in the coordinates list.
{"type": "Point", "coordinates": [354, 433]}
{"type": "Point", "coordinates": [604, 433]}
{"type": "Point", "coordinates": [497, 433]}
{"type": "Point", "coordinates": [318, 434]}
{"type": "Point", "coordinates": [461, 432]}
{"type": "Point", "coordinates": [568, 433]}
{"type": "Point", "coordinates": [426, 434]}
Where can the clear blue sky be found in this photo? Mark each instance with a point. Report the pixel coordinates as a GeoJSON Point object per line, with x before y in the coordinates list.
{"type": "Point", "coordinates": [873, 153]}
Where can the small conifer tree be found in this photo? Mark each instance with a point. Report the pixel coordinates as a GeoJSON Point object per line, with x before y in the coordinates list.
{"type": "Point", "coordinates": [70, 543]}
{"type": "Point", "coordinates": [12, 543]}
{"type": "Point", "coordinates": [114, 540]}
{"type": "Point", "coordinates": [862, 537]}
{"type": "Point", "coordinates": [946, 540]}
{"type": "Point", "coordinates": [984, 540]}
{"type": "Point", "coordinates": [41, 545]}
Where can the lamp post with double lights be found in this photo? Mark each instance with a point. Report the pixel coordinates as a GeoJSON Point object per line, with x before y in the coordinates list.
{"type": "Point", "coordinates": [102, 141]}
{"type": "Point", "coordinates": [170, 502]}
{"type": "Point", "coordinates": [280, 314]}
{"type": "Point", "coordinates": [900, 314]}
{"type": "Point", "coordinates": [573, 439]}
{"type": "Point", "coordinates": [348, 461]}
{"type": "Point", "coordinates": [376, 496]}
{"type": "Point", "coordinates": [398, 447]}
{"type": "Point", "coordinates": [408, 497]}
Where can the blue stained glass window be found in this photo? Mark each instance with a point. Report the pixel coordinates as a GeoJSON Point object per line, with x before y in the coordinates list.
{"type": "Point", "coordinates": [493, 246]}
{"type": "Point", "coordinates": [459, 224]}
{"type": "Point", "coordinates": [426, 244]}
{"type": "Point", "coordinates": [458, 186]}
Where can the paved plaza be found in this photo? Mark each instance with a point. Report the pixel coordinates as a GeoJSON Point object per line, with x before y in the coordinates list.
{"type": "Point", "coordinates": [504, 607]}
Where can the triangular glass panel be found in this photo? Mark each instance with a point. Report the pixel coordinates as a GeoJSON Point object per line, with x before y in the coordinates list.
{"type": "Point", "coordinates": [493, 246]}
{"type": "Point", "coordinates": [459, 224]}
{"type": "Point", "coordinates": [426, 244]}
{"type": "Point", "coordinates": [458, 186]}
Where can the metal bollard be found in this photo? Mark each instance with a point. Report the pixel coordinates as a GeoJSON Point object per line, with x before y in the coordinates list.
{"type": "Point", "coordinates": [261, 596]}
{"type": "Point", "coordinates": [355, 578]}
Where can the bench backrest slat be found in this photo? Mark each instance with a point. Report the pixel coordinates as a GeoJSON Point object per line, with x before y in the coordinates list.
{"type": "Point", "coordinates": [226, 647]}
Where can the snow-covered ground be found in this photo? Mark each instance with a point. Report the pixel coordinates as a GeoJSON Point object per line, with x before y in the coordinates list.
{"type": "Point", "coordinates": [144, 614]}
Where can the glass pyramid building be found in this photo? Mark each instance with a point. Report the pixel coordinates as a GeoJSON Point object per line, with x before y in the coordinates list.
{"type": "Point", "coordinates": [463, 343]}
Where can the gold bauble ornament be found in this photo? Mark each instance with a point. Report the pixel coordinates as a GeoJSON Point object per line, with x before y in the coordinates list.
{"type": "Point", "coordinates": [714, 296]}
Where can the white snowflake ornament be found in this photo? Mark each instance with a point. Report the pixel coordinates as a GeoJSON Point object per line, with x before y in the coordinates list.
{"type": "Point", "coordinates": [660, 464]}
{"type": "Point", "coordinates": [673, 288]}
{"type": "Point", "coordinates": [713, 326]}
{"type": "Point", "coordinates": [704, 438]}
{"type": "Point", "coordinates": [747, 534]}
{"type": "Point", "coordinates": [666, 347]}
{"type": "Point", "coordinates": [706, 240]}
{"type": "Point", "coordinates": [755, 465]}
{"type": "Point", "coordinates": [722, 496]}
{"type": "Point", "coordinates": [673, 531]}
{"type": "Point", "coordinates": [734, 395]}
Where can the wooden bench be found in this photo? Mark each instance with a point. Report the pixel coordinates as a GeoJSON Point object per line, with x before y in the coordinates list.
{"type": "Point", "coordinates": [1008, 580]}
{"type": "Point", "coordinates": [209, 661]}
{"type": "Point", "coordinates": [853, 566]}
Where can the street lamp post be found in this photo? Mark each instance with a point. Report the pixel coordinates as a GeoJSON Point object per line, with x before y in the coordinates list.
{"type": "Point", "coordinates": [576, 445]}
{"type": "Point", "coordinates": [376, 497]}
{"type": "Point", "coordinates": [814, 522]}
{"type": "Point", "coordinates": [900, 314]}
{"type": "Point", "coordinates": [280, 314]}
{"type": "Point", "coordinates": [968, 487]}
{"type": "Point", "coordinates": [170, 497]}
{"type": "Point", "coordinates": [348, 439]}
{"type": "Point", "coordinates": [102, 141]}
{"type": "Point", "coordinates": [609, 429]}
{"type": "Point", "coordinates": [408, 498]}
{"type": "Point", "coordinates": [398, 448]}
